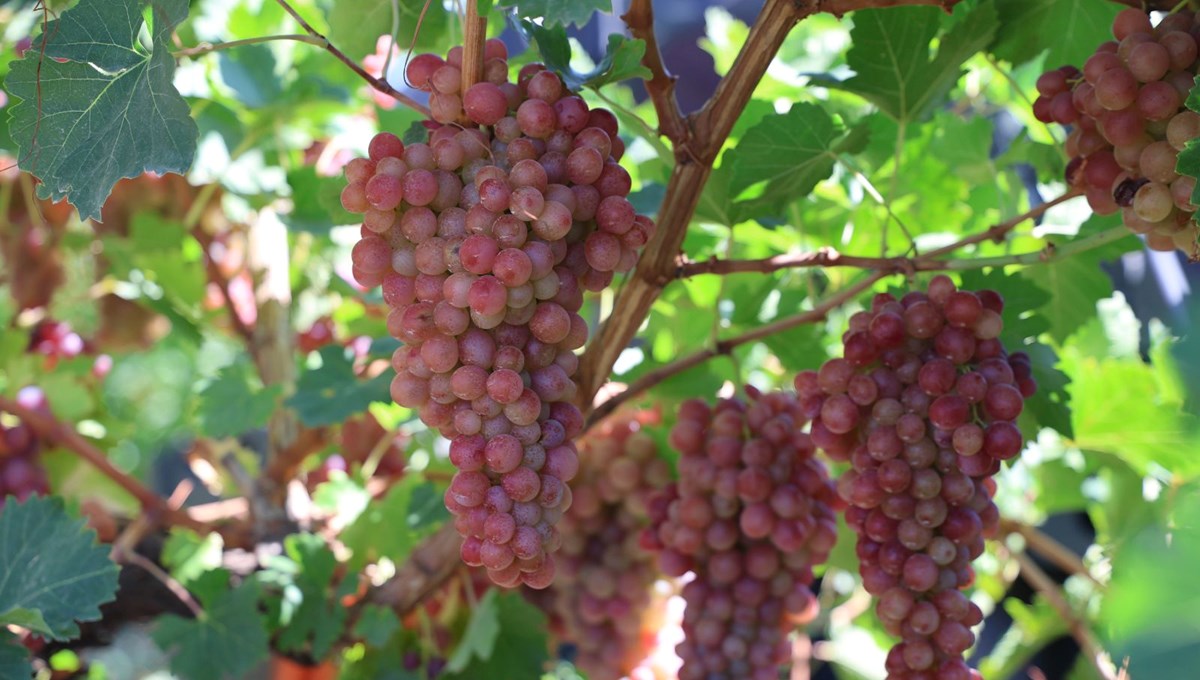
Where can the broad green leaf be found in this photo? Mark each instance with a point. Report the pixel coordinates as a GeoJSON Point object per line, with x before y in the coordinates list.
{"type": "Point", "coordinates": [14, 659]}
{"type": "Point", "coordinates": [393, 525]}
{"type": "Point", "coordinates": [51, 564]}
{"type": "Point", "coordinates": [231, 404]}
{"type": "Point", "coordinates": [479, 639]}
{"type": "Point", "coordinates": [188, 555]}
{"type": "Point", "coordinates": [1188, 163]}
{"type": "Point", "coordinates": [332, 393]}
{"type": "Point", "coordinates": [376, 625]}
{"type": "Point", "coordinates": [1034, 626]}
{"type": "Point", "coordinates": [891, 60]}
{"type": "Point", "coordinates": [30, 619]}
{"type": "Point", "coordinates": [316, 202]}
{"type": "Point", "coordinates": [519, 650]}
{"type": "Point", "coordinates": [1069, 29]}
{"type": "Point", "coordinates": [109, 111]}
{"type": "Point", "coordinates": [558, 12]}
{"type": "Point", "coordinates": [307, 616]}
{"type": "Point", "coordinates": [225, 643]}
{"type": "Point", "coordinates": [622, 57]}
{"type": "Point", "coordinates": [790, 151]}
{"type": "Point", "coordinates": [356, 25]}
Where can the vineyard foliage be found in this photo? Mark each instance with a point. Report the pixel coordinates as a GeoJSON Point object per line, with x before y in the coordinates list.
{"type": "Point", "coordinates": [228, 225]}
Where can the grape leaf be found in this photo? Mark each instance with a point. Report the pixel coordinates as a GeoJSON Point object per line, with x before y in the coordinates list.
{"type": "Point", "coordinates": [305, 616]}
{"type": "Point", "coordinates": [890, 56]}
{"type": "Point", "coordinates": [14, 659]}
{"type": "Point", "coordinates": [790, 151]}
{"type": "Point", "coordinates": [520, 648]}
{"type": "Point", "coordinates": [316, 202]}
{"type": "Point", "coordinates": [559, 12]}
{"type": "Point", "coordinates": [376, 625]}
{"type": "Point", "coordinates": [188, 556]}
{"type": "Point", "coordinates": [622, 57]}
{"type": "Point", "coordinates": [1069, 29]}
{"type": "Point", "coordinates": [53, 566]}
{"type": "Point", "coordinates": [226, 642]}
{"type": "Point", "coordinates": [1076, 283]}
{"type": "Point", "coordinates": [479, 638]}
{"type": "Point", "coordinates": [351, 22]}
{"type": "Point", "coordinates": [109, 111]}
{"type": "Point", "coordinates": [230, 405]}
{"type": "Point", "coordinates": [332, 393]}
{"type": "Point", "coordinates": [1188, 163]}
{"type": "Point", "coordinates": [391, 527]}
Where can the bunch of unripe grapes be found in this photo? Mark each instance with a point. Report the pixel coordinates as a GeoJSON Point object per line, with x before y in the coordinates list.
{"type": "Point", "coordinates": [1126, 108]}
{"type": "Point", "coordinates": [604, 597]}
{"type": "Point", "coordinates": [923, 404]}
{"type": "Point", "coordinates": [484, 241]}
{"type": "Point", "coordinates": [21, 473]}
{"type": "Point", "coordinates": [751, 515]}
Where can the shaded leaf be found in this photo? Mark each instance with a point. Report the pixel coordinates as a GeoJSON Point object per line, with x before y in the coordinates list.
{"type": "Point", "coordinates": [14, 659]}
{"type": "Point", "coordinates": [790, 151]}
{"type": "Point", "coordinates": [331, 393]}
{"type": "Point", "coordinates": [479, 638]}
{"type": "Point", "coordinates": [357, 24]}
{"type": "Point", "coordinates": [226, 642]}
{"type": "Point", "coordinates": [1069, 29]}
{"type": "Point", "coordinates": [317, 202]}
{"type": "Point", "coordinates": [622, 57]}
{"type": "Point", "coordinates": [231, 405]}
{"type": "Point", "coordinates": [392, 526]}
{"type": "Point", "coordinates": [376, 625]}
{"type": "Point", "coordinates": [52, 566]}
{"type": "Point", "coordinates": [519, 650]}
{"type": "Point", "coordinates": [188, 555]}
{"type": "Point", "coordinates": [109, 111]}
{"type": "Point", "coordinates": [559, 12]}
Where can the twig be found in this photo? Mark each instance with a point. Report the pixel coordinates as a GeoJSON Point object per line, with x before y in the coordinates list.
{"type": "Point", "coordinates": [205, 48]}
{"type": "Point", "coordinates": [134, 558]}
{"type": "Point", "coordinates": [1079, 629]}
{"type": "Point", "coordinates": [999, 231]}
{"type": "Point", "coordinates": [661, 86]}
{"type": "Point", "coordinates": [49, 427]}
{"type": "Point", "coordinates": [1047, 547]}
{"type": "Point", "coordinates": [215, 276]}
{"type": "Point", "coordinates": [379, 84]}
{"type": "Point", "coordinates": [727, 346]}
{"type": "Point", "coordinates": [829, 257]}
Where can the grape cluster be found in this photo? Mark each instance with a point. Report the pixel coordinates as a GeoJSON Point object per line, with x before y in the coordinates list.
{"type": "Point", "coordinates": [484, 241]}
{"type": "Point", "coordinates": [923, 404]}
{"type": "Point", "coordinates": [21, 474]}
{"type": "Point", "coordinates": [603, 598]}
{"type": "Point", "coordinates": [1126, 108]}
{"type": "Point", "coordinates": [750, 516]}
{"type": "Point", "coordinates": [55, 340]}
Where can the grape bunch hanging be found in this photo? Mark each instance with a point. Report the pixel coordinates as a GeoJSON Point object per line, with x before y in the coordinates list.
{"type": "Point", "coordinates": [604, 598]}
{"type": "Point", "coordinates": [923, 404]}
{"type": "Point", "coordinates": [751, 515]}
{"type": "Point", "coordinates": [484, 241]}
{"type": "Point", "coordinates": [21, 472]}
{"type": "Point", "coordinates": [1126, 110]}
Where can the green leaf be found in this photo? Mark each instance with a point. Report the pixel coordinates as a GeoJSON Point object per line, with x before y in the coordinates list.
{"type": "Point", "coordinates": [228, 641]}
{"type": "Point", "coordinates": [53, 566]}
{"type": "Point", "coordinates": [1188, 163]}
{"type": "Point", "coordinates": [14, 659]}
{"type": "Point", "coordinates": [890, 56]}
{"type": "Point", "coordinates": [30, 619]}
{"type": "Point", "coordinates": [790, 151]}
{"type": "Point", "coordinates": [1069, 29]}
{"type": "Point", "coordinates": [558, 12]}
{"type": "Point", "coordinates": [392, 526]}
{"type": "Point", "coordinates": [356, 25]}
{"type": "Point", "coordinates": [230, 405]}
{"type": "Point", "coordinates": [622, 57]}
{"type": "Point", "coordinates": [110, 111]}
{"type": "Point", "coordinates": [479, 639]}
{"type": "Point", "coordinates": [319, 616]}
{"type": "Point", "coordinates": [331, 393]}
{"type": "Point", "coordinates": [519, 651]}
{"type": "Point", "coordinates": [316, 202]}
{"type": "Point", "coordinates": [188, 555]}
{"type": "Point", "coordinates": [376, 625]}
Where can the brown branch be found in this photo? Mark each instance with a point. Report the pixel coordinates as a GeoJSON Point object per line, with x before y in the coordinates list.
{"type": "Point", "coordinates": [215, 276]}
{"type": "Point", "coordinates": [1047, 547]}
{"type": "Point", "coordinates": [1079, 629]}
{"type": "Point", "coordinates": [658, 375]}
{"type": "Point", "coordinates": [661, 86]}
{"type": "Point", "coordinates": [475, 34]}
{"type": "Point", "coordinates": [52, 429]}
{"type": "Point", "coordinates": [657, 265]}
{"type": "Point", "coordinates": [378, 83]}
{"type": "Point", "coordinates": [999, 231]}
{"type": "Point", "coordinates": [429, 566]}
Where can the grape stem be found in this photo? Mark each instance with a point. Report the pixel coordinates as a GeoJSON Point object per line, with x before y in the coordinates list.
{"type": "Point", "coordinates": [52, 429]}
{"type": "Point", "coordinates": [1047, 547]}
{"type": "Point", "coordinates": [379, 84]}
{"type": "Point", "coordinates": [475, 34]}
{"type": "Point", "coordinates": [726, 347]}
{"type": "Point", "coordinates": [1042, 583]}
{"type": "Point", "coordinates": [661, 85]}
{"type": "Point", "coordinates": [206, 48]}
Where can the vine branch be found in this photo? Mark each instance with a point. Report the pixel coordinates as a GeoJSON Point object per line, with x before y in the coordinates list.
{"type": "Point", "coordinates": [1047, 547]}
{"type": "Point", "coordinates": [1079, 629]}
{"type": "Point", "coordinates": [661, 86]}
{"type": "Point", "coordinates": [206, 48]}
{"type": "Point", "coordinates": [378, 83]}
{"type": "Point", "coordinates": [49, 427]}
